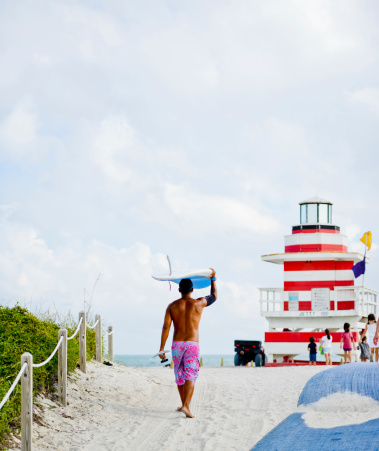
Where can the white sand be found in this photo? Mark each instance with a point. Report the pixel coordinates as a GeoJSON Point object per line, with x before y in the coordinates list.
{"type": "Point", "coordinates": [340, 409]}
{"type": "Point", "coordinates": [120, 408]}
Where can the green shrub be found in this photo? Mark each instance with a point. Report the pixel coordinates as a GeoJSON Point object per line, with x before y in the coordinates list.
{"type": "Point", "coordinates": [21, 331]}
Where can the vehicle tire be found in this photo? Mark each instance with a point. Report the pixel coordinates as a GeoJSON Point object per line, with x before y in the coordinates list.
{"type": "Point", "coordinates": [237, 360]}
{"type": "Point", "coordinates": [258, 360]}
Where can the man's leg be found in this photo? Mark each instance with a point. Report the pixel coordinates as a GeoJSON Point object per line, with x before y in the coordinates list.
{"type": "Point", "coordinates": [191, 367]}
{"type": "Point", "coordinates": [177, 356]}
{"type": "Point", "coordinates": [188, 389]}
{"type": "Point", "coordinates": [181, 394]}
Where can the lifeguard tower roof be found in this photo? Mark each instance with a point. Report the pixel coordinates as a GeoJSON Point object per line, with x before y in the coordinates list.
{"type": "Point", "coordinates": [315, 200]}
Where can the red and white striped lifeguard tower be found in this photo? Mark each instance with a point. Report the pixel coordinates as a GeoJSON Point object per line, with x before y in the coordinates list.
{"type": "Point", "coordinates": [318, 289]}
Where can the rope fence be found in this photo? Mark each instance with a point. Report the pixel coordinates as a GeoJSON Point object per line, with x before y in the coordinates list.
{"type": "Point", "coordinates": [38, 365]}
{"type": "Point", "coordinates": [77, 329]}
{"type": "Point", "coordinates": [93, 327]}
{"type": "Point", "coordinates": [27, 365]}
{"type": "Point", "coordinates": [5, 399]}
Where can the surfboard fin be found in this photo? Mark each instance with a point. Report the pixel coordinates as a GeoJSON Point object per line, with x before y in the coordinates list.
{"type": "Point", "coordinates": [169, 265]}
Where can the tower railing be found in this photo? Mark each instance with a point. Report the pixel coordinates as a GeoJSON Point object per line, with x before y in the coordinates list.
{"type": "Point", "coordinates": [271, 299]}
{"type": "Point", "coordinates": [365, 299]}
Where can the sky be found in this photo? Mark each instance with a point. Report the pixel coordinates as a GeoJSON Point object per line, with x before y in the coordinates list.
{"type": "Point", "coordinates": [134, 130]}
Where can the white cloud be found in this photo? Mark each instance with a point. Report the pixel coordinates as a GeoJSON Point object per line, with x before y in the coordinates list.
{"type": "Point", "coordinates": [195, 210]}
{"type": "Point", "coordinates": [112, 143]}
{"type": "Point", "coordinates": [352, 230]}
{"type": "Point", "coordinates": [20, 127]}
{"type": "Point", "coordinates": [368, 97]}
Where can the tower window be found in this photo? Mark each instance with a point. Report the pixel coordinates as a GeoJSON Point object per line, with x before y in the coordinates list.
{"type": "Point", "coordinates": [323, 213]}
{"type": "Point", "coordinates": [303, 214]}
{"type": "Point", "coordinates": [314, 213]}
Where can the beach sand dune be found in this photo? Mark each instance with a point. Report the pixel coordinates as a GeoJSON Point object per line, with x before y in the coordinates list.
{"type": "Point", "coordinates": [121, 408]}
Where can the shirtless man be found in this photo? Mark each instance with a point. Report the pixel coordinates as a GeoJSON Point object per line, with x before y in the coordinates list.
{"type": "Point", "coordinates": [186, 314]}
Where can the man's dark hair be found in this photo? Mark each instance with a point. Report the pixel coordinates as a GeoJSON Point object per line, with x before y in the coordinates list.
{"type": "Point", "coordinates": [185, 286]}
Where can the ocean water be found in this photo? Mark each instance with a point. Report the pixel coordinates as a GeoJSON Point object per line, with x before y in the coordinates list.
{"type": "Point", "coordinates": [147, 360]}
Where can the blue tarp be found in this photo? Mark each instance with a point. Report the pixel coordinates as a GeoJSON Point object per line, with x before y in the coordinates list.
{"type": "Point", "coordinates": [294, 435]}
{"type": "Point", "coordinates": [361, 378]}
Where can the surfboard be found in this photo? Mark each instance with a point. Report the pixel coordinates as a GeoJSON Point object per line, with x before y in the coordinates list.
{"type": "Point", "coordinates": [201, 278]}
{"type": "Point", "coordinates": [162, 352]}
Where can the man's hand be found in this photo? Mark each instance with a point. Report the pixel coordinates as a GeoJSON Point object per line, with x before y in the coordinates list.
{"type": "Point", "coordinates": [213, 272]}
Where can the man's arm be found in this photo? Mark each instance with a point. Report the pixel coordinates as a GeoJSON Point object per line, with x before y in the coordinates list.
{"type": "Point", "coordinates": [210, 299]}
{"type": "Point", "coordinates": [165, 329]}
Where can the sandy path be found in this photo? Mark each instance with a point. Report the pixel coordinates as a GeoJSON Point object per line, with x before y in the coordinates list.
{"type": "Point", "coordinates": [119, 408]}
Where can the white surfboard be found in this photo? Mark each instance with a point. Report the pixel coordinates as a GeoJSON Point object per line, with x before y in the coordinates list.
{"type": "Point", "coordinates": [201, 278]}
{"type": "Point", "coordinates": [162, 352]}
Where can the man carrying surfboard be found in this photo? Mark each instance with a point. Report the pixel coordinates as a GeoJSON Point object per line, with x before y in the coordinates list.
{"type": "Point", "coordinates": [186, 313]}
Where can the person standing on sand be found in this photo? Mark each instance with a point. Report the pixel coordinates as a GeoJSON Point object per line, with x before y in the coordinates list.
{"type": "Point", "coordinates": [326, 343]}
{"type": "Point", "coordinates": [312, 348]}
{"type": "Point", "coordinates": [364, 347]}
{"type": "Point", "coordinates": [347, 338]}
{"type": "Point", "coordinates": [186, 313]}
{"type": "Point", "coordinates": [370, 331]}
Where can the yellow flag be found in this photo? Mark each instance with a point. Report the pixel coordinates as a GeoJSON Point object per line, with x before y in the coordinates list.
{"type": "Point", "coordinates": [367, 239]}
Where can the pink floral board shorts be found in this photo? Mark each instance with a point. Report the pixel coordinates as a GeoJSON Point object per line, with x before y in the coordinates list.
{"type": "Point", "coordinates": [185, 355]}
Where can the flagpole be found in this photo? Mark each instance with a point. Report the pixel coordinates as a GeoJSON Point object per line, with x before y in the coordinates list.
{"type": "Point", "coordinates": [363, 278]}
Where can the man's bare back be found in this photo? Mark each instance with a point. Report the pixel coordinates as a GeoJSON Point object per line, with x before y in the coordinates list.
{"type": "Point", "coordinates": [186, 313]}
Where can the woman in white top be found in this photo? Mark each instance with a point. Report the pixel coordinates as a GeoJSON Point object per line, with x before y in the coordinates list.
{"type": "Point", "coordinates": [370, 330]}
{"type": "Point", "coordinates": [326, 342]}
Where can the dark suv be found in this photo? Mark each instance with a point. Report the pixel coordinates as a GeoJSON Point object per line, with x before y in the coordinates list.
{"type": "Point", "coordinates": [247, 351]}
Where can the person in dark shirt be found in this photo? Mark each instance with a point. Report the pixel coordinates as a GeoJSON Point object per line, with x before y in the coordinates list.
{"type": "Point", "coordinates": [312, 347]}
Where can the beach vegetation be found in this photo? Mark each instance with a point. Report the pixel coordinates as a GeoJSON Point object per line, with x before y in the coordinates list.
{"type": "Point", "coordinates": [22, 331]}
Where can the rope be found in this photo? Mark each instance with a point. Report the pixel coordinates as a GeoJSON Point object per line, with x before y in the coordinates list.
{"type": "Point", "coordinates": [38, 365]}
{"type": "Point", "coordinates": [77, 330]}
{"type": "Point", "coordinates": [106, 332]}
{"type": "Point", "coordinates": [5, 399]}
{"type": "Point", "coordinates": [92, 327]}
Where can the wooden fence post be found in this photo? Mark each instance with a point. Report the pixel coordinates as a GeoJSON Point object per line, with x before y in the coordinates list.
{"type": "Point", "coordinates": [27, 403]}
{"type": "Point", "coordinates": [99, 345]}
{"type": "Point", "coordinates": [62, 368]}
{"type": "Point", "coordinates": [110, 343]}
{"type": "Point", "coordinates": [83, 343]}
